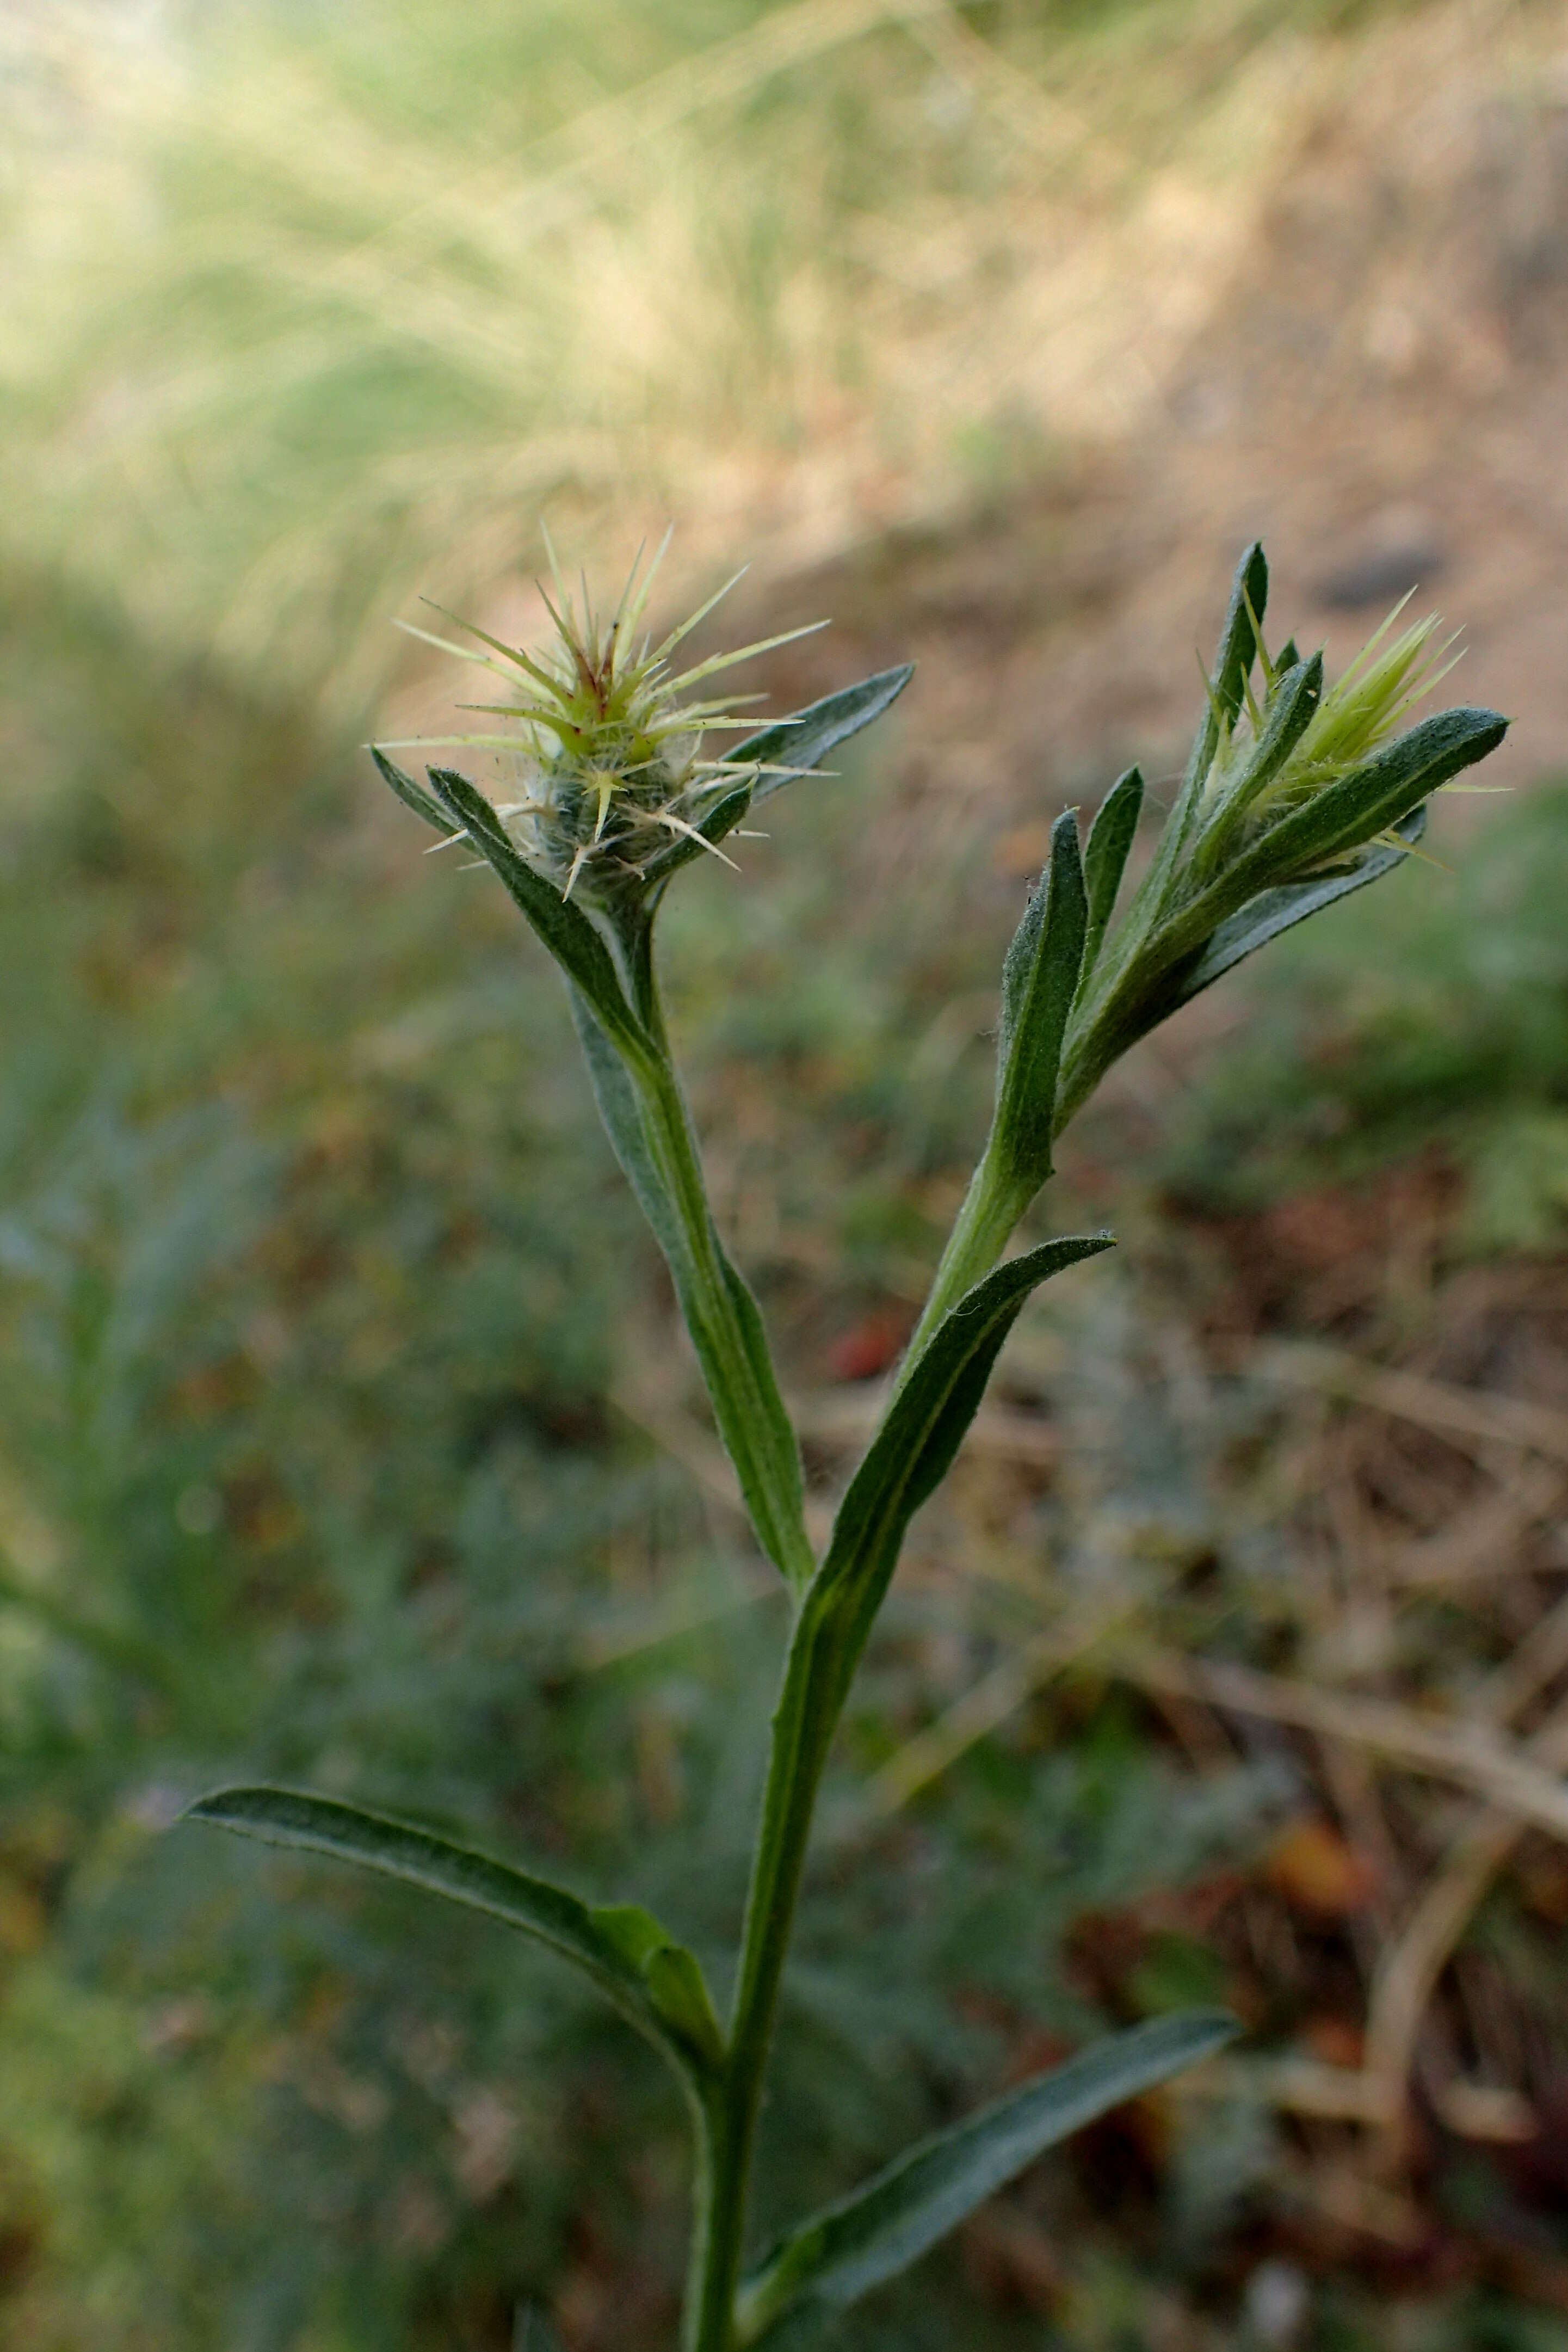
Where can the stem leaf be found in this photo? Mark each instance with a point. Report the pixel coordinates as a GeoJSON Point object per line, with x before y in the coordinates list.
{"type": "Point", "coordinates": [802, 741]}
{"type": "Point", "coordinates": [721, 818]}
{"type": "Point", "coordinates": [414, 796]}
{"type": "Point", "coordinates": [805, 740]}
{"type": "Point", "coordinates": [1374, 796]}
{"type": "Point", "coordinates": [1273, 911]}
{"type": "Point", "coordinates": [881, 2229]}
{"type": "Point", "coordinates": [1105, 855]}
{"type": "Point", "coordinates": [913, 1449]}
{"type": "Point", "coordinates": [565, 929]}
{"type": "Point", "coordinates": [1233, 661]}
{"type": "Point", "coordinates": [1040, 980]}
{"type": "Point", "coordinates": [653, 1980]}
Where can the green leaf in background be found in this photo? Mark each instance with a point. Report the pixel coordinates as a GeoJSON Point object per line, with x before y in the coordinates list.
{"type": "Point", "coordinates": [870, 2236]}
{"type": "Point", "coordinates": [1105, 855]}
{"type": "Point", "coordinates": [802, 741]}
{"type": "Point", "coordinates": [565, 929]}
{"type": "Point", "coordinates": [651, 1978]}
{"type": "Point", "coordinates": [1039, 980]}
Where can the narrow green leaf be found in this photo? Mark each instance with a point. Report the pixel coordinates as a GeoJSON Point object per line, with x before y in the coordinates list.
{"type": "Point", "coordinates": [1273, 911]}
{"type": "Point", "coordinates": [1105, 854]}
{"type": "Point", "coordinates": [1233, 662]}
{"type": "Point", "coordinates": [805, 740]}
{"type": "Point", "coordinates": [601, 1943]}
{"type": "Point", "coordinates": [644, 1119]}
{"type": "Point", "coordinates": [620, 1107]}
{"type": "Point", "coordinates": [414, 796]}
{"type": "Point", "coordinates": [1320, 849]}
{"type": "Point", "coordinates": [870, 2237]}
{"type": "Point", "coordinates": [1346, 814]}
{"type": "Point", "coordinates": [678, 1991]}
{"type": "Point", "coordinates": [1040, 980]}
{"type": "Point", "coordinates": [802, 741]}
{"type": "Point", "coordinates": [675, 1983]}
{"type": "Point", "coordinates": [565, 929]}
{"type": "Point", "coordinates": [1152, 901]}
{"type": "Point", "coordinates": [1239, 637]}
{"type": "Point", "coordinates": [1295, 705]}
{"type": "Point", "coordinates": [913, 1449]}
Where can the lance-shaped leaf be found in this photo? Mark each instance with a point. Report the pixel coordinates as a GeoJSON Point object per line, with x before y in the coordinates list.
{"type": "Point", "coordinates": [805, 738]}
{"type": "Point", "coordinates": [565, 929]}
{"type": "Point", "coordinates": [870, 2237]}
{"type": "Point", "coordinates": [414, 796]}
{"type": "Point", "coordinates": [652, 1979]}
{"type": "Point", "coordinates": [913, 1449]}
{"type": "Point", "coordinates": [1105, 855]}
{"type": "Point", "coordinates": [1294, 705]}
{"type": "Point", "coordinates": [1351, 812]}
{"type": "Point", "coordinates": [1273, 911]}
{"type": "Point", "coordinates": [802, 741]}
{"type": "Point", "coordinates": [723, 817]}
{"type": "Point", "coordinates": [1233, 662]}
{"type": "Point", "coordinates": [1040, 980]}
{"type": "Point", "coordinates": [643, 1116]}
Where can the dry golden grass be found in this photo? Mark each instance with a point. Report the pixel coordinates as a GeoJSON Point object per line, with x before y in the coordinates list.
{"type": "Point", "coordinates": [296, 327]}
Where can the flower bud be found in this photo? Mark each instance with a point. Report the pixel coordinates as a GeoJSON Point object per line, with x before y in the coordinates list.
{"type": "Point", "coordinates": [610, 755]}
{"type": "Point", "coordinates": [1294, 794]}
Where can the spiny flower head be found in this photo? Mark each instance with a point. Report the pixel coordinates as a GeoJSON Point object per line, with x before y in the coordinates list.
{"type": "Point", "coordinates": [611, 753]}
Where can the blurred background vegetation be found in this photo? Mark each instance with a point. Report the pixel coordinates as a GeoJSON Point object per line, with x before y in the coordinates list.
{"type": "Point", "coordinates": [345, 1439]}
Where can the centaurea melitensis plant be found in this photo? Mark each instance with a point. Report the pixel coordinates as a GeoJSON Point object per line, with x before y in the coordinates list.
{"type": "Point", "coordinates": [1294, 796]}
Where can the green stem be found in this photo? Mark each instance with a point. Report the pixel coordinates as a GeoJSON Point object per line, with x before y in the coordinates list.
{"type": "Point", "coordinates": [705, 2126]}
{"type": "Point", "coordinates": [823, 1655]}
{"type": "Point", "coordinates": [980, 1232]}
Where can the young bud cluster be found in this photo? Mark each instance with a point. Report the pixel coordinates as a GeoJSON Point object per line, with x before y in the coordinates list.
{"type": "Point", "coordinates": [1274, 754]}
{"type": "Point", "coordinates": [1294, 794]}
